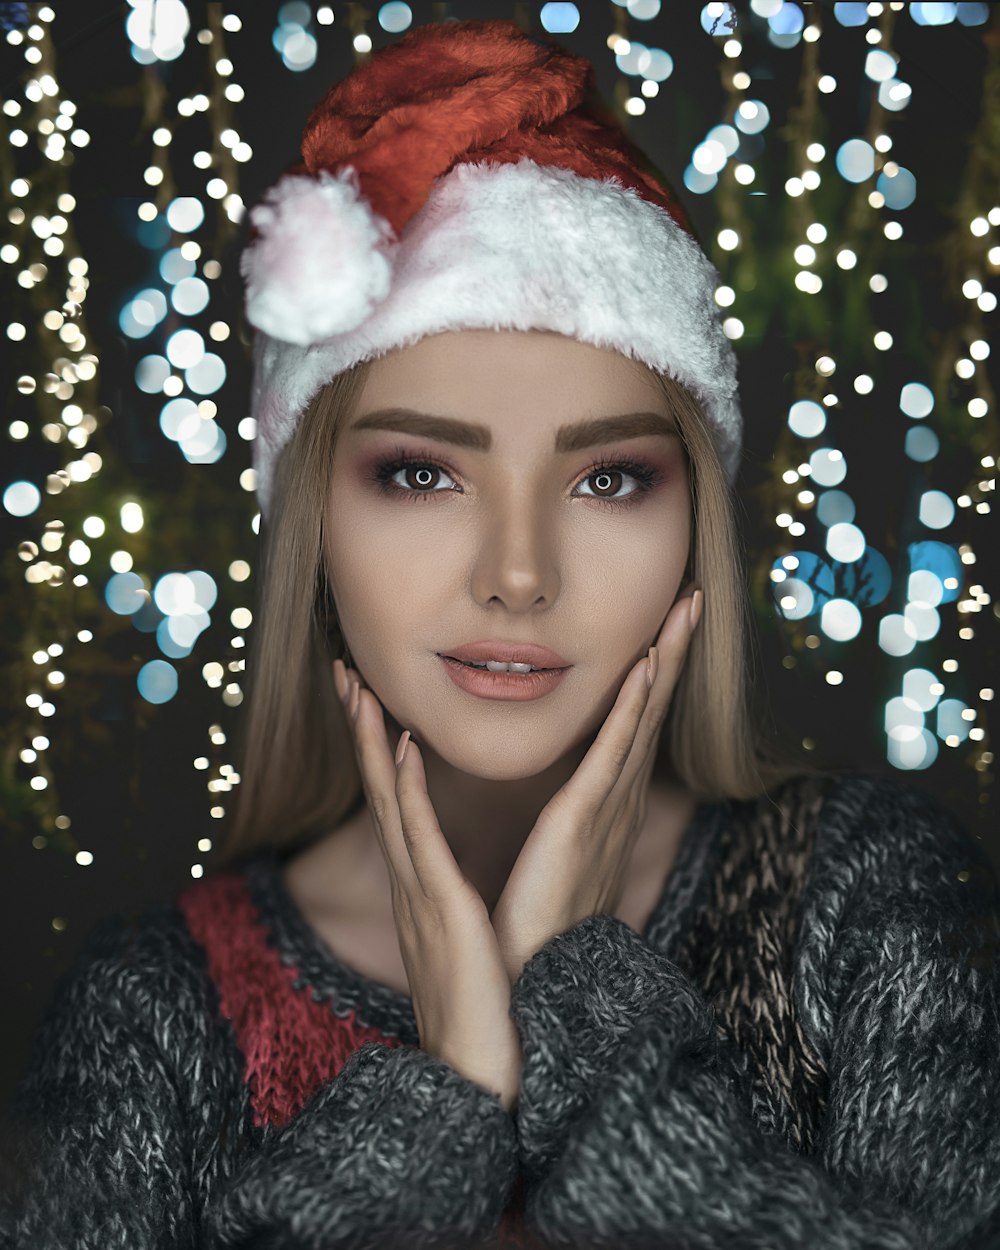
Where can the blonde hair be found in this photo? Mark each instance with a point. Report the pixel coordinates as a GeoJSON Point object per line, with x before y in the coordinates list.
{"type": "Point", "coordinates": [298, 776]}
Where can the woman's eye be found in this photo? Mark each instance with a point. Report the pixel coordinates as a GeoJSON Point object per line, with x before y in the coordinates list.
{"type": "Point", "coordinates": [420, 479]}
{"type": "Point", "coordinates": [608, 482]}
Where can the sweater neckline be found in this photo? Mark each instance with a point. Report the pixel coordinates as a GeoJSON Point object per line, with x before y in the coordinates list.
{"type": "Point", "coordinates": [374, 1004]}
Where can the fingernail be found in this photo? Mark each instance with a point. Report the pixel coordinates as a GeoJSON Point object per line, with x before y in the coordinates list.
{"type": "Point", "coordinates": [695, 611]}
{"type": "Point", "coordinates": [340, 679]}
{"type": "Point", "coordinates": [651, 666]}
{"type": "Point", "coordinates": [401, 748]}
{"type": "Point", "coordinates": [355, 700]}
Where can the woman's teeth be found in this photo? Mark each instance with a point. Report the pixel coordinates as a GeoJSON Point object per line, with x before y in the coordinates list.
{"type": "Point", "coordinates": [497, 666]}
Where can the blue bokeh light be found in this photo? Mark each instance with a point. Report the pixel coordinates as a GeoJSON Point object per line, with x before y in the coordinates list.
{"type": "Point", "coordinates": [190, 296]}
{"type": "Point", "coordinates": [148, 616]}
{"type": "Point", "coordinates": [143, 313]}
{"type": "Point", "coordinates": [174, 267]}
{"type": "Point", "coordinates": [559, 19]}
{"type": "Point", "coordinates": [185, 213]}
{"type": "Point", "coordinates": [789, 20]}
{"type": "Point", "coordinates": [834, 507]}
{"type": "Point", "coordinates": [865, 581]}
{"type": "Point", "coordinates": [395, 17]}
{"type": "Point", "coordinates": [851, 14]}
{"type": "Point", "coordinates": [298, 48]}
{"type": "Point", "coordinates": [752, 117]}
{"type": "Point", "coordinates": [295, 12]}
{"type": "Point", "coordinates": [699, 183]}
{"type": "Point", "coordinates": [629, 62]}
{"type": "Point", "coordinates": [976, 14]}
{"type": "Point", "coordinates": [900, 190]}
{"type": "Point", "coordinates": [150, 374]}
{"type": "Point", "coordinates": [21, 498]}
{"type": "Point", "coordinates": [656, 64]}
{"type": "Point", "coordinates": [855, 160]}
{"type": "Point", "coordinates": [205, 445]}
{"type": "Point", "coordinates": [207, 375]}
{"type": "Point", "coordinates": [943, 561]}
{"type": "Point", "coordinates": [894, 95]}
{"type": "Point", "coordinates": [933, 14]}
{"type": "Point", "coordinates": [916, 400]}
{"type": "Point", "coordinates": [123, 593]}
{"type": "Point", "coordinates": [644, 10]}
{"type": "Point", "coordinates": [157, 681]}
{"type": "Point", "coordinates": [154, 234]}
{"type": "Point", "coordinates": [715, 23]}
{"type": "Point", "coordinates": [807, 418]}
{"type": "Point", "coordinates": [921, 444]}
{"type": "Point", "coordinates": [812, 571]}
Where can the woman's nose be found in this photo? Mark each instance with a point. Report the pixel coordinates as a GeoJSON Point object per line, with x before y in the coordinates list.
{"type": "Point", "coordinates": [517, 559]}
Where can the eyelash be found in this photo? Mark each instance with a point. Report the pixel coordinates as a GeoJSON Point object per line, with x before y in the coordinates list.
{"type": "Point", "coordinates": [384, 470]}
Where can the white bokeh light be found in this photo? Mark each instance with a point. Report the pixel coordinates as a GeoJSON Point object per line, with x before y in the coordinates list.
{"type": "Point", "coordinates": [174, 594]}
{"type": "Point", "coordinates": [922, 688]}
{"type": "Point", "coordinates": [185, 348]}
{"type": "Point", "coordinates": [840, 620]}
{"type": "Point", "coordinates": [827, 466]}
{"type": "Point", "coordinates": [845, 542]}
{"type": "Point", "coordinates": [895, 635]}
{"type": "Point", "coordinates": [937, 510]}
{"type": "Point", "coordinates": [795, 599]}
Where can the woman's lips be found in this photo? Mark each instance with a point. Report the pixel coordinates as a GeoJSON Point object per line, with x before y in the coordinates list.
{"type": "Point", "coordinates": [511, 686]}
{"type": "Point", "coordinates": [508, 652]}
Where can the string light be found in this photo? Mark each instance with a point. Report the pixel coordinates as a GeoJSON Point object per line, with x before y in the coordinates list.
{"type": "Point", "coordinates": [61, 401]}
{"type": "Point", "coordinates": [803, 581]}
{"type": "Point", "coordinates": [184, 371]}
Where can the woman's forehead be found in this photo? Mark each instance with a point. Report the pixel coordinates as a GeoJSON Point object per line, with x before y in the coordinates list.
{"type": "Point", "coordinates": [487, 375]}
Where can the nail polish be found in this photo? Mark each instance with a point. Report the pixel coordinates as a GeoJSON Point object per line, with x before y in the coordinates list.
{"type": "Point", "coordinates": [695, 610]}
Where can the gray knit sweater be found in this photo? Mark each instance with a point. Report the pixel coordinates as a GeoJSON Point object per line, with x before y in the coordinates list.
{"type": "Point", "coordinates": [802, 1049]}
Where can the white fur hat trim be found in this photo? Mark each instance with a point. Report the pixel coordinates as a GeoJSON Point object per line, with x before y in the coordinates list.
{"type": "Point", "coordinates": [511, 246]}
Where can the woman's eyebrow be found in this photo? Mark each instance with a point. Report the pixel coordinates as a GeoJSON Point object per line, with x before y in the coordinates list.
{"type": "Point", "coordinates": [575, 437]}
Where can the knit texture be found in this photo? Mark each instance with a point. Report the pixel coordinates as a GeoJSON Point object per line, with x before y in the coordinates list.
{"type": "Point", "coordinates": [802, 1048]}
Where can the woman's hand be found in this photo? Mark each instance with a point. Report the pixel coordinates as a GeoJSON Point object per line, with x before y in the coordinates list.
{"type": "Point", "coordinates": [458, 979]}
{"type": "Point", "coordinates": [574, 860]}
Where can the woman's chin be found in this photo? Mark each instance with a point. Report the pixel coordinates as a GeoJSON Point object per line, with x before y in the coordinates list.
{"type": "Point", "coordinates": [496, 761]}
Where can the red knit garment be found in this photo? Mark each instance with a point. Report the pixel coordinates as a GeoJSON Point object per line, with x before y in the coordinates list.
{"type": "Point", "coordinates": [291, 1044]}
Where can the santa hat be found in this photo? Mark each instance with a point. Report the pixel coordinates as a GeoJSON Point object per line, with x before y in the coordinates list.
{"type": "Point", "coordinates": [468, 176]}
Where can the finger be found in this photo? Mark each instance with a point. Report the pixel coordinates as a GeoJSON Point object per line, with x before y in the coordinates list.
{"type": "Point", "coordinates": [378, 772]}
{"type": "Point", "coordinates": [672, 647]}
{"type": "Point", "coordinates": [669, 653]}
{"type": "Point", "coordinates": [432, 858]}
{"type": "Point", "coordinates": [600, 768]}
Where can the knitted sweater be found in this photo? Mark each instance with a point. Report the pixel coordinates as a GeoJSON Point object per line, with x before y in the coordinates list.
{"type": "Point", "coordinates": [801, 1049]}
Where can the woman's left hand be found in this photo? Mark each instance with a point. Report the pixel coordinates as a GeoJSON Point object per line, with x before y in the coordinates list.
{"type": "Point", "coordinates": [573, 863]}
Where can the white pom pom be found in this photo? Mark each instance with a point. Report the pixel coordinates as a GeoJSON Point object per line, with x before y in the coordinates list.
{"type": "Point", "coordinates": [315, 268]}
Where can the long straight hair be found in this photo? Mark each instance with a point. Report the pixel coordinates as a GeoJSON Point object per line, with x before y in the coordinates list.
{"type": "Point", "coordinates": [298, 778]}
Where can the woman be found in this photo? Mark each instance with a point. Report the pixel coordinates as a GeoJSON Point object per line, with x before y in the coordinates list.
{"type": "Point", "coordinates": [492, 955]}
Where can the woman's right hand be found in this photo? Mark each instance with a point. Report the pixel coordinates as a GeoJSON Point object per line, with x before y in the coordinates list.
{"type": "Point", "coordinates": [458, 980]}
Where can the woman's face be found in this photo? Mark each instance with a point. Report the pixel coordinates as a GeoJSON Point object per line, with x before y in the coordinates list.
{"type": "Point", "coordinates": [507, 521]}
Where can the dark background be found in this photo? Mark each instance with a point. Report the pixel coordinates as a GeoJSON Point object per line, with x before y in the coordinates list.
{"type": "Point", "coordinates": [134, 798]}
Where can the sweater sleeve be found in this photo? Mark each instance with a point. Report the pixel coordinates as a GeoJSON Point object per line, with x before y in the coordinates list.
{"type": "Point", "coordinates": [122, 1136]}
{"type": "Point", "coordinates": [398, 1150]}
{"type": "Point", "coordinates": [634, 1112]}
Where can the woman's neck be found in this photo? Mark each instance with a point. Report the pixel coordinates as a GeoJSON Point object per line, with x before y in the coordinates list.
{"type": "Point", "coordinates": [486, 824]}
